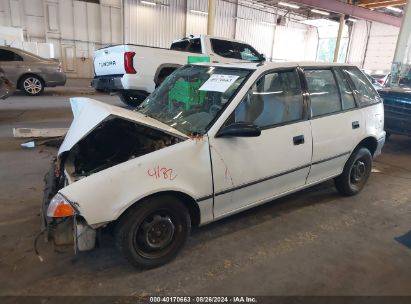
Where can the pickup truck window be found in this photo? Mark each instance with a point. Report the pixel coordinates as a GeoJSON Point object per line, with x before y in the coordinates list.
{"type": "Point", "coordinates": [187, 45]}
{"type": "Point", "coordinates": [323, 91]}
{"type": "Point", "coordinates": [275, 98]}
{"type": "Point", "coordinates": [234, 50]}
{"type": "Point", "coordinates": [364, 89]}
{"type": "Point", "coordinates": [191, 97]}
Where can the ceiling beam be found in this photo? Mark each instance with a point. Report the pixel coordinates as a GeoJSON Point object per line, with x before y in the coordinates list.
{"type": "Point", "coordinates": [380, 4]}
{"type": "Point", "coordinates": [352, 10]}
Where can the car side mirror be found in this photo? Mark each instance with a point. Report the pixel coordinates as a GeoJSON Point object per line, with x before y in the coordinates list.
{"type": "Point", "coordinates": [262, 57]}
{"type": "Point", "coordinates": [239, 129]}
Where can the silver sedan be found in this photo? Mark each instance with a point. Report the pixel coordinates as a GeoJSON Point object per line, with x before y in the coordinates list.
{"type": "Point", "coordinates": [29, 72]}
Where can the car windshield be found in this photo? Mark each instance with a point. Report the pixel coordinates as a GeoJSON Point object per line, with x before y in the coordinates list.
{"type": "Point", "coordinates": [190, 98]}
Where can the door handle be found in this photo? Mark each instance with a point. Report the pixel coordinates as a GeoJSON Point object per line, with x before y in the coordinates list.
{"type": "Point", "coordinates": [298, 140]}
{"type": "Point", "coordinates": [355, 124]}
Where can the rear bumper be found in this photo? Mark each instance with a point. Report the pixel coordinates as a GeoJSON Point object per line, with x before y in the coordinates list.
{"type": "Point", "coordinates": [107, 83]}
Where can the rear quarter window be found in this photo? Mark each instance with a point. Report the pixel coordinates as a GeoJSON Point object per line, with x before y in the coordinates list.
{"type": "Point", "coordinates": [363, 88]}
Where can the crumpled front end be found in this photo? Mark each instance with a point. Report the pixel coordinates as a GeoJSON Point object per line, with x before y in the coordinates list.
{"type": "Point", "coordinates": [100, 137]}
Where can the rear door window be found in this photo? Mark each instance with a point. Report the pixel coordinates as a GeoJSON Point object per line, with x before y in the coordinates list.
{"type": "Point", "coordinates": [363, 89]}
{"type": "Point", "coordinates": [323, 91]}
{"type": "Point", "coordinates": [347, 96]}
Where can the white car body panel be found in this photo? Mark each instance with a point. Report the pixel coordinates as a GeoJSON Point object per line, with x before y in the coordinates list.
{"type": "Point", "coordinates": [118, 187]}
{"type": "Point", "coordinates": [333, 139]}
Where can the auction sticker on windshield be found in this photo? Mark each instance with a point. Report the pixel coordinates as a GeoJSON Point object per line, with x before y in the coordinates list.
{"type": "Point", "coordinates": [218, 83]}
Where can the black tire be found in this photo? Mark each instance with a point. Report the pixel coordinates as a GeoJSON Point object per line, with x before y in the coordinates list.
{"type": "Point", "coordinates": [153, 232]}
{"type": "Point", "coordinates": [32, 85]}
{"type": "Point", "coordinates": [132, 99]}
{"type": "Point", "coordinates": [356, 172]}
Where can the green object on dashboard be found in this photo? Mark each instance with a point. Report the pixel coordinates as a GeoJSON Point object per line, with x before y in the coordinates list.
{"type": "Point", "coordinates": [194, 59]}
{"type": "Point", "coordinates": [186, 94]}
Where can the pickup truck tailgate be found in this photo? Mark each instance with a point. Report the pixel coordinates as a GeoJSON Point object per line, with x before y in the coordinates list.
{"type": "Point", "coordinates": [109, 61]}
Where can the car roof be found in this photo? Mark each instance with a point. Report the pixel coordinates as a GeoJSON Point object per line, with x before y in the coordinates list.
{"type": "Point", "coordinates": [267, 65]}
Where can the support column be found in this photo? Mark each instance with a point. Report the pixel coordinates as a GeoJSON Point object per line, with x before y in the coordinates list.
{"type": "Point", "coordinates": [340, 31]}
{"type": "Point", "coordinates": [400, 65]}
{"type": "Point", "coordinates": [211, 17]}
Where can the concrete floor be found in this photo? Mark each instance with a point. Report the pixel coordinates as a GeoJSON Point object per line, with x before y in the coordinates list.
{"type": "Point", "coordinates": [314, 242]}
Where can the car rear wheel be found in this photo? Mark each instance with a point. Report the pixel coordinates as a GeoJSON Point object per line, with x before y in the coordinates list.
{"type": "Point", "coordinates": [32, 85]}
{"type": "Point", "coordinates": [153, 232]}
{"type": "Point", "coordinates": [132, 99]}
{"type": "Point", "coordinates": [356, 172]}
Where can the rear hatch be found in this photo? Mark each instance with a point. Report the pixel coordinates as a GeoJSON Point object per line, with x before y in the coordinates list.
{"type": "Point", "coordinates": [109, 61]}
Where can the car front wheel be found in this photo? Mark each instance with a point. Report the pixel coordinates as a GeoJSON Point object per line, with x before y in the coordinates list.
{"type": "Point", "coordinates": [153, 232]}
{"type": "Point", "coordinates": [32, 85]}
{"type": "Point", "coordinates": [356, 172]}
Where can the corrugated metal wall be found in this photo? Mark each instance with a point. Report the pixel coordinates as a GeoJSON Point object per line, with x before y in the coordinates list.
{"type": "Point", "coordinates": [257, 28]}
{"type": "Point", "coordinates": [75, 28]}
{"type": "Point", "coordinates": [381, 47]}
{"type": "Point", "coordinates": [225, 23]}
{"type": "Point", "coordinates": [358, 44]}
{"type": "Point", "coordinates": [154, 25]}
{"type": "Point", "coordinates": [180, 18]}
{"type": "Point", "coordinates": [373, 45]}
{"type": "Point", "coordinates": [196, 17]}
{"type": "Point", "coordinates": [295, 43]}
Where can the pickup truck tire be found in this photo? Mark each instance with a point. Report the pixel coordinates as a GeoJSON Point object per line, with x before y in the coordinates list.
{"type": "Point", "coordinates": [133, 99]}
{"type": "Point", "coordinates": [152, 232]}
{"type": "Point", "coordinates": [356, 172]}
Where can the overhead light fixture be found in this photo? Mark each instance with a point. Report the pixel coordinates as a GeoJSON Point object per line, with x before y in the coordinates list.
{"type": "Point", "coordinates": [320, 12]}
{"type": "Point", "coordinates": [199, 12]}
{"type": "Point", "coordinates": [352, 20]}
{"type": "Point", "coordinates": [239, 18]}
{"type": "Point", "coordinates": [288, 5]}
{"type": "Point", "coordinates": [149, 3]}
{"type": "Point", "coordinates": [268, 23]}
{"type": "Point", "coordinates": [394, 9]}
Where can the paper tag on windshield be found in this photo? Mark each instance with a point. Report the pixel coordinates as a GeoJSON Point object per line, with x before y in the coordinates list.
{"type": "Point", "coordinates": [218, 83]}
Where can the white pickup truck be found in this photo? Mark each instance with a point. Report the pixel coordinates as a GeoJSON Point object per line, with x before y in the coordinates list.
{"type": "Point", "coordinates": [134, 71]}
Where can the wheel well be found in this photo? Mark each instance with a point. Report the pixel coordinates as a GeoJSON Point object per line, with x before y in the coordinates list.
{"type": "Point", "coordinates": [370, 143]}
{"type": "Point", "coordinates": [19, 82]}
{"type": "Point", "coordinates": [187, 200]}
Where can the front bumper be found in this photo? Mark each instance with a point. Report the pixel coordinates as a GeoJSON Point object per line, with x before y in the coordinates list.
{"type": "Point", "coordinates": [68, 231]}
{"type": "Point", "coordinates": [107, 83]}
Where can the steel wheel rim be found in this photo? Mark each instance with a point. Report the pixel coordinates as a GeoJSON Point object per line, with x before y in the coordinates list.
{"type": "Point", "coordinates": [156, 234]}
{"type": "Point", "coordinates": [32, 85]}
{"type": "Point", "coordinates": [358, 171]}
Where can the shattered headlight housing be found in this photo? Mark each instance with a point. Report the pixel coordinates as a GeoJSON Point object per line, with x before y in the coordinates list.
{"type": "Point", "coordinates": [60, 207]}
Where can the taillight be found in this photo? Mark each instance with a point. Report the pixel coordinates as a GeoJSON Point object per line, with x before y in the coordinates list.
{"type": "Point", "coordinates": [128, 62]}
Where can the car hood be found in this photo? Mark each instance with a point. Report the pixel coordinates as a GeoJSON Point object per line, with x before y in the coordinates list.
{"type": "Point", "coordinates": [90, 113]}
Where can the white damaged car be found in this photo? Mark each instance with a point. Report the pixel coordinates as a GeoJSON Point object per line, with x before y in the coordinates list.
{"type": "Point", "coordinates": [212, 140]}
